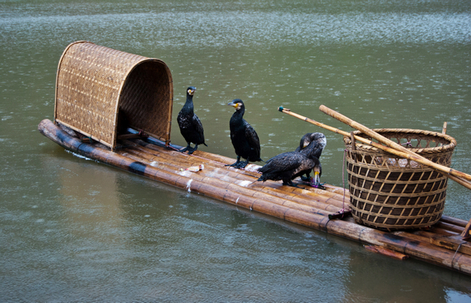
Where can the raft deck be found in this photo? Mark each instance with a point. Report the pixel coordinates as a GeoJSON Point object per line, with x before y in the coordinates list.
{"type": "Point", "coordinates": [441, 244]}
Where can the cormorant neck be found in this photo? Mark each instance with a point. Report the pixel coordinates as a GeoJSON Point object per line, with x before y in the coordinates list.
{"type": "Point", "coordinates": [189, 102]}
{"type": "Point", "coordinates": [237, 118]}
{"type": "Point", "coordinates": [240, 112]}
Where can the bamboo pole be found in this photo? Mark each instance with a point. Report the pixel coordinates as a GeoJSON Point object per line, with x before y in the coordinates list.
{"type": "Point", "coordinates": [454, 221]}
{"type": "Point", "coordinates": [444, 128]}
{"type": "Point", "coordinates": [390, 150]}
{"type": "Point", "coordinates": [413, 156]}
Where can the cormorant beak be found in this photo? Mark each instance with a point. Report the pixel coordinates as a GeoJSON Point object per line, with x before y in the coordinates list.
{"type": "Point", "coordinates": [234, 105]}
{"type": "Point", "coordinates": [191, 91]}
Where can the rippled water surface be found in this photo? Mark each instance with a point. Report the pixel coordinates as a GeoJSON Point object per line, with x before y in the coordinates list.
{"type": "Point", "coordinates": [72, 229]}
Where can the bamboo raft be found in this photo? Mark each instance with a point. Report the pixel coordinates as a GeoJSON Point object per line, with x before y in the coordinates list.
{"type": "Point", "coordinates": [116, 108]}
{"type": "Point", "coordinates": [441, 244]}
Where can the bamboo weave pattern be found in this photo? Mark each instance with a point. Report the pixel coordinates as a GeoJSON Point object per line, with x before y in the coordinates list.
{"type": "Point", "coordinates": [392, 193]}
{"type": "Point", "coordinates": [100, 91]}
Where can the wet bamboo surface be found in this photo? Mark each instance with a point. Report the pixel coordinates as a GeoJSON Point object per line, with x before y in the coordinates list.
{"type": "Point", "coordinates": [440, 244]}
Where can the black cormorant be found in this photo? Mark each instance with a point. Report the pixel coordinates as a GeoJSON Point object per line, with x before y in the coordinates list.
{"type": "Point", "coordinates": [312, 144]}
{"type": "Point", "coordinates": [190, 125]}
{"type": "Point", "coordinates": [243, 136]}
{"type": "Point", "coordinates": [287, 166]}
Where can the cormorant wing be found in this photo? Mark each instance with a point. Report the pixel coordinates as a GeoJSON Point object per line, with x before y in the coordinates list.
{"type": "Point", "coordinates": [197, 124]}
{"type": "Point", "coordinates": [283, 162]}
{"type": "Point", "coordinates": [252, 137]}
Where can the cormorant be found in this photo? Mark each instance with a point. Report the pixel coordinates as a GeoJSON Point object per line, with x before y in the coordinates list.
{"type": "Point", "coordinates": [190, 125]}
{"type": "Point", "coordinates": [315, 149]}
{"type": "Point", "coordinates": [243, 136]}
{"type": "Point", "coordinates": [287, 166]}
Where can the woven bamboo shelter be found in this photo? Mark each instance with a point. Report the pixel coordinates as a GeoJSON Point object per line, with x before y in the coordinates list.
{"type": "Point", "coordinates": [101, 91]}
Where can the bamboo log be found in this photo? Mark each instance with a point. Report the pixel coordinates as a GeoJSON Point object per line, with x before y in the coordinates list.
{"type": "Point", "coordinates": [455, 221]}
{"type": "Point", "coordinates": [453, 243]}
{"type": "Point", "coordinates": [449, 227]}
{"type": "Point", "coordinates": [421, 250]}
{"type": "Point", "coordinates": [393, 151]}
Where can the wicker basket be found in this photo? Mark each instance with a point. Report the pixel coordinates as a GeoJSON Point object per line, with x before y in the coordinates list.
{"type": "Point", "coordinates": [392, 193]}
{"type": "Point", "coordinates": [100, 91]}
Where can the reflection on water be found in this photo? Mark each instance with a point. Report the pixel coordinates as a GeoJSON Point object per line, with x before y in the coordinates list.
{"type": "Point", "coordinates": [73, 229]}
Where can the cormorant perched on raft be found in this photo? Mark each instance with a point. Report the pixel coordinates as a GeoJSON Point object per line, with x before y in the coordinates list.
{"type": "Point", "coordinates": [243, 136]}
{"type": "Point", "coordinates": [190, 125]}
{"type": "Point", "coordinates": [287, 166]}
{"type": "Point", "coordinates": [305, 147]}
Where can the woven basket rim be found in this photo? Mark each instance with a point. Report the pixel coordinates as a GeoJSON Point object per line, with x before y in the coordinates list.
{"type": "Point", "coordinates": [428, 150]}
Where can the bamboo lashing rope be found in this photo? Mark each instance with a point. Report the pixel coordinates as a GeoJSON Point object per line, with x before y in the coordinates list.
{"type": "Point", "coordinates": [404, 154]}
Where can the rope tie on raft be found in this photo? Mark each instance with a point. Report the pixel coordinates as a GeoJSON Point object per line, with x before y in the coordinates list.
{"type": "Point", "coordinates": [342, 213]}
{"type": "Point", "coordinates": [343, 181]}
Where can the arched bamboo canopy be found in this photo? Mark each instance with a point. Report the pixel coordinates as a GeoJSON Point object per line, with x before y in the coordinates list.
{"type": "Point", "coordinates": [100, 91]}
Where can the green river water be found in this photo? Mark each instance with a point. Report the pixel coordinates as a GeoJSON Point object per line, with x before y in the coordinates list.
{"type": "Point", "coordinates": [74, 230]}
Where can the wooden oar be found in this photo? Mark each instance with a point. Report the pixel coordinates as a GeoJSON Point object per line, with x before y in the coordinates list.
{"type": "Point", "coordinates": [393, 151]}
